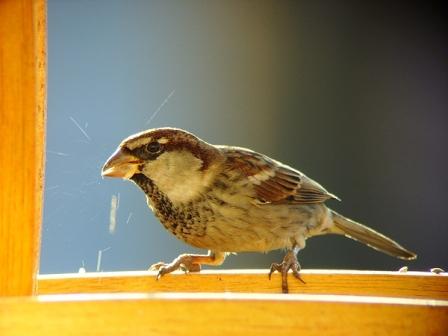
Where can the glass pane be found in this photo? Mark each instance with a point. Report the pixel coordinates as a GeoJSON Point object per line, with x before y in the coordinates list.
{"type": "Point", "coordinates": [330, 89]}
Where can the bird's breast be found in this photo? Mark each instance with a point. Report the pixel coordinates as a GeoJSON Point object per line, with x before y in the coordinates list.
{"type": "Point", "coordinates": [229, 221]}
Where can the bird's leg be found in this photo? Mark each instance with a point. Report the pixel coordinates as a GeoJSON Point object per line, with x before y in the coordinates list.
{"type": "Point", "coordinates": [189, 263]}
{"type": "Point", "coordinates": [289, 262]}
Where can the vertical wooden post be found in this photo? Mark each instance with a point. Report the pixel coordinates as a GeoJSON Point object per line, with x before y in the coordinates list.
{"type": "Point", "coordinates": [22, 118]}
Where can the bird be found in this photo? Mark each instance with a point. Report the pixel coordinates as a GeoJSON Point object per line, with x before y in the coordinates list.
{"type": "Point", "coordinates": [228, 199]}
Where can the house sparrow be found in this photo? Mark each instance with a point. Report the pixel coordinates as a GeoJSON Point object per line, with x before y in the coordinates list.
{"type": "Point", "coordinates": [231, 199]}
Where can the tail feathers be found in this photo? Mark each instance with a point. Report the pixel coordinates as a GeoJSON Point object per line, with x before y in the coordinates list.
{"type": "Point", "coordinates": [366, 235]}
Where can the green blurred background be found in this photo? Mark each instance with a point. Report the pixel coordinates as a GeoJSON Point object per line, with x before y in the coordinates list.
{"type": "Point", "coordinates": [354, 94]}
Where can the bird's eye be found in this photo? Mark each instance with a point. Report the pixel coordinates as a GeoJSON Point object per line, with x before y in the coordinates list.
{"type": "Point", "coordinates": [153, 147]}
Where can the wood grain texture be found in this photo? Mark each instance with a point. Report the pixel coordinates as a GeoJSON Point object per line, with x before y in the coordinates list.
{"type": "Point", "coordinates": [220, 314]}
{"type": "Point", "coordinates": [366, 283]}
{"type": "Point", "coordinates": [22, 106]}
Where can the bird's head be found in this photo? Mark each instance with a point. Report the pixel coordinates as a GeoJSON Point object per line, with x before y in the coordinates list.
{"type": "Point", "coordinates": [177, 162]}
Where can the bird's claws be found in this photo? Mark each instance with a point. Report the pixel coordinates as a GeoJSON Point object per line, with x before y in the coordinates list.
{"type": "Point", "coordinates": [183, 262]}
{"type": "Point", "coordinates": [274, 267]}
{"type": "Point", "coordinates": [289, 262]}
{"type": "Point", "coordinates": [156, 266]}
{"type": "Point", "coordinates": [160, 267]}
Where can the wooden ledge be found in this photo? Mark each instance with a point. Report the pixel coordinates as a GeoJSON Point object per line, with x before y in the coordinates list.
{"type": "Point", "coordinates": [220, 313]}
{"type": "Point", "coordinates": [365, 283]}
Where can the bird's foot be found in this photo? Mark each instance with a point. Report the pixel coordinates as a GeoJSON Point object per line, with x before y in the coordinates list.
{"type": "Point", "coordinates": [289, 262]}
{"type": "Point", "coordinates": [185, 262]}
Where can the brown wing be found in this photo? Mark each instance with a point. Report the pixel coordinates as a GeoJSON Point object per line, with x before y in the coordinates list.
{"type": "Point", "coordinates": [273, 181]}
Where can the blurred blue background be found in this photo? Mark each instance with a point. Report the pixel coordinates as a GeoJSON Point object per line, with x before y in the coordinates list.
{"type": "Point", "coordinates": [354, 94]}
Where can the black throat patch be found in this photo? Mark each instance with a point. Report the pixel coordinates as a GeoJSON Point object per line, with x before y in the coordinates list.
{"type": "Point", "coordinates": [144, 183]}
{"type": "Point", "coordinates": [182, 220]}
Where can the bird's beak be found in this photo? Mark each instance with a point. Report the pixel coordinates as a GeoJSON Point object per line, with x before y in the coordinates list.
{"type": "Point", "coordinates": [121, 164]}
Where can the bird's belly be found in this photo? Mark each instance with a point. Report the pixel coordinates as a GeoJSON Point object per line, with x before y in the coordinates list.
{"type": "Point", "coordinates": [238, 237]}
{"type": "Point", "coordinates": [258, 229]}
